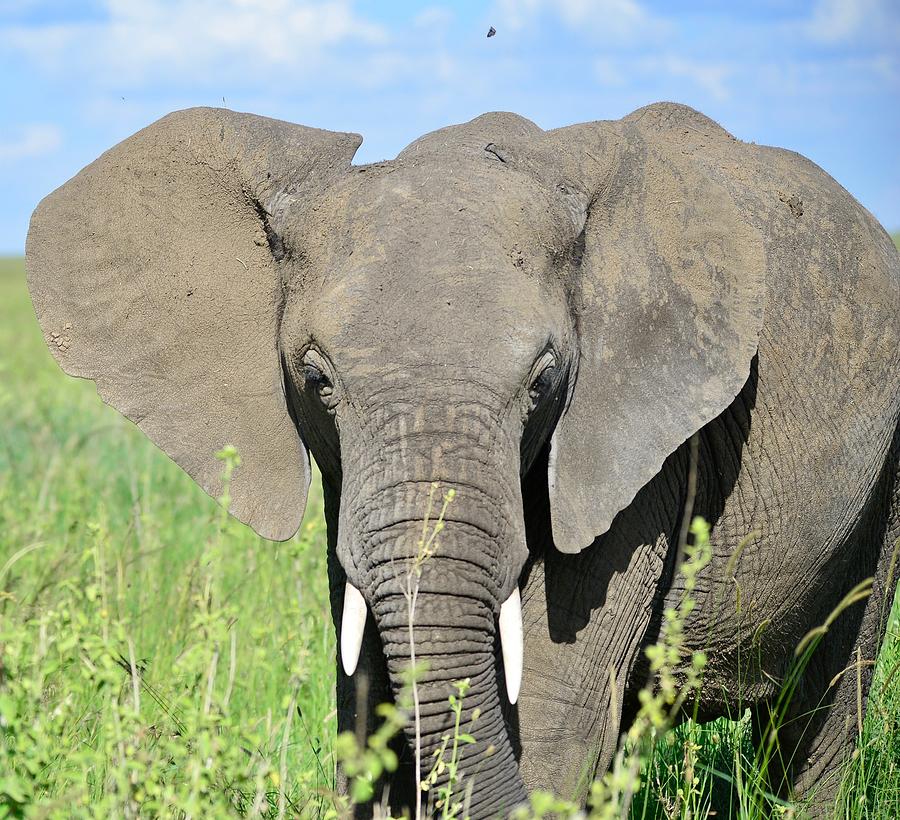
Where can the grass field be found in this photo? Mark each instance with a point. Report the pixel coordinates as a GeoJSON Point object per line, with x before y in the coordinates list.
{"type": "Point", "coordinates": [158, 658]}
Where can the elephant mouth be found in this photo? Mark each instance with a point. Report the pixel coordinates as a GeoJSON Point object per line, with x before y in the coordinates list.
{"type": "Point", "coordinates": [509, 626]}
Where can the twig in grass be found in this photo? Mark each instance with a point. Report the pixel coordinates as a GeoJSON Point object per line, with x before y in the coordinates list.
{"type": "Point", "coordinates": [859, 709]}
{"type": "Point", "coordinates": [20, 554]}
{"type": "Point", "coordinates": [151, 690]}
{"type": "Point", "coordinates": [135, 683]}
{"type": "Point", "coordinates": [210, 681]}
{"type": "Point", "coordinates": [425, 549]}
{"type": "Point", "coordinates": [282, 762]}
{"type": "Point", "coordinates": [845, 670]}
{"type": "Point", "coordinates": [316, 748]}
{"type": "Point", "coordinates": [811, 639]}
{"type": "Point", "coordinates": [232, 669]}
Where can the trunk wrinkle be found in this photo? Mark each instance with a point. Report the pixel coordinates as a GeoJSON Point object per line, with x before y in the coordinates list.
{"type": "Point", "coordinates": [458, 593]}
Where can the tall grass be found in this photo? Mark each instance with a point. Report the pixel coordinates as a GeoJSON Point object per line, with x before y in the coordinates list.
{"type": "Point", "coordinates": [157, 658]}
{"type": "Point", "coordinates": [153, 653]}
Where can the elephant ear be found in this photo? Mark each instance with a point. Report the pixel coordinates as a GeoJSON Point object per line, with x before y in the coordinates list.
{"type": "Point", "coordinates": [155, 273]}
{"type": "Point", "coordinates": [669, 302]}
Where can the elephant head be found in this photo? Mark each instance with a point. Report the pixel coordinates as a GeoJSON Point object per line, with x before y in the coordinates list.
{"type": "Point", "coordinates": [494, 291]}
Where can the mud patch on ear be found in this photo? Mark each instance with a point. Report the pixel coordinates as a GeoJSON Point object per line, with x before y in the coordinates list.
{"type": "Point", "coordinates": [793, 202]}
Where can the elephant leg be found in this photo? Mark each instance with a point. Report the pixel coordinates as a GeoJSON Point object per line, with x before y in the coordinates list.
{"type": "Point", "coordinates": [585, 618]}
{"type": "Point", "coordinates": [825, 717]}
{"type": "Point", "coordinates": [823, 721]}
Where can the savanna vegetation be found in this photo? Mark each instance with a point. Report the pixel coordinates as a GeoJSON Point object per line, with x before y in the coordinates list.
{"type": "Point", "coordinates": [159, 659]}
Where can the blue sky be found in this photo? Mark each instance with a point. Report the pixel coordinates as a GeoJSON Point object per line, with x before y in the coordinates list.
{"type": "Point", "coordinates": [820, 77]}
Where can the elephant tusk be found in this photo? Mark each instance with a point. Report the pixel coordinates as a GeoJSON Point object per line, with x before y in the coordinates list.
{"type": "Point", "coordinates": [511, 643]}
{"type": "Point", "coordinates": [353, 622]}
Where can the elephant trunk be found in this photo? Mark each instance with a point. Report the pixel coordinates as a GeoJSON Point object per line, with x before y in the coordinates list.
{"type": "Point", "coordinates": [443, 609]}
{"type": "Point", "coordinates": [451, 632]}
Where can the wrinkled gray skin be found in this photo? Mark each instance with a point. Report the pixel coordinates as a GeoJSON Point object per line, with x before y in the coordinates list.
{"type": "Point", "coordinates": [543, 321]}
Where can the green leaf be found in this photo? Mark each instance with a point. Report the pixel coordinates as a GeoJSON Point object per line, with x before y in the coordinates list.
{"type": "Point", "coordinates": [12, 787]}
{"type": "Point", "coordinates": [361, 790]}
{"type": "Point", "coordinates": [389, 759]}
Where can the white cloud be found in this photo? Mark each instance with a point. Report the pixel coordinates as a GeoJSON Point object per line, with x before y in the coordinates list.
{"type": "Point", "coordinates": [387, 67]}
{"type": "Point", "coordinates": [517, 14]}
{"type": "Point", "coordinates": [31, 141]}
{"type": "Point", "coordinates": [609, 72]}
{"type": "Point", "coordinates": [612, 20]}
{"type": "Point", "coordinates": [433, 17]}
{"type": "Point", "coordinates": [618, 17]}
{"type": "Point", "coordinates": [709, 77]}
{"type": "Point", "coordinates": [836, 22]}
{"type": "Point", "coordinates": [142, 39]}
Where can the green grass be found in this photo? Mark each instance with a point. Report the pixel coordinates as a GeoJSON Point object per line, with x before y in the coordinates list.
{"type": "Point", "coordinates": [105, 545]}
{"type": "Point", "coordinates": [110, 557]}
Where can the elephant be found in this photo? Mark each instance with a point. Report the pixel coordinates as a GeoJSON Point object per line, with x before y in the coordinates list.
{"type": "Point", "coordinates": [587, 333]}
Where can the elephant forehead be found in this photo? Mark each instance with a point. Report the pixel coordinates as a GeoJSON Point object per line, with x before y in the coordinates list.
{"type": "Point", "coordinates": [460, 209]}
{"type": "Point", "coordinates": [478, 316]}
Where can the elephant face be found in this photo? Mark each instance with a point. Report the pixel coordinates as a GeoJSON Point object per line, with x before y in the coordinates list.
{"type": "Point", "coordinates": [438, 318]}
{"type": "Point", "coordinates": [408, 353]}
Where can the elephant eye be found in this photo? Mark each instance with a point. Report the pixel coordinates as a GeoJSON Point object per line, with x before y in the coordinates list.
{"type": "Point", "coordinates": [315, 378]}
{"type": "Point", "coordinates": [542, 378]}
{"type": "Point", "coordinates": [541, 384]}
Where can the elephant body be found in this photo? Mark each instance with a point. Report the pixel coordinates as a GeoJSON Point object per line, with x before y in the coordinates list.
{"type": "Point", "coordinates": [587, 333]}
{"type": "Point", "coordinates": [802, 464]}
